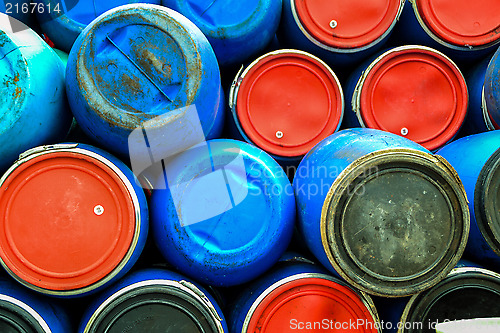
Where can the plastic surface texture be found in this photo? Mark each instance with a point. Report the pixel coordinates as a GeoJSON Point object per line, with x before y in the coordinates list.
{"type": "Point", "coordinates": [492, 90]}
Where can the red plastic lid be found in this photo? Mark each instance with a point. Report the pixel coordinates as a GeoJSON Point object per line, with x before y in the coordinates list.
{"type": "Point", "coordinates": [288, 102]}
{"type": "Point", "coordinates": [347, 24]}
{"type": "Point", "coordinates": [462, 22]}
{"type": "Point", "coordinates": [67, 221]}
{"type": "Point", "coordinates": [415, 92]}
{"type": "Point", "coordinates": [297, 305]}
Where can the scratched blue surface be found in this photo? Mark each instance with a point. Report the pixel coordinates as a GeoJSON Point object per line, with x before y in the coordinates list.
{"type": "Point", "coordinates": [492, 88]}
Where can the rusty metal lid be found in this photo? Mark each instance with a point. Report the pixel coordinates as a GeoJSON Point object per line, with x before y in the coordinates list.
{"type": "Point", "coordinates": [487, 202]}
{"type": "Point", "coordinates": [155, 306]}
{"type": "Point", "coordinates": [413, 91]}
{"type": "Point", "coordinates": [463, 23]}
{"type": "Point", "coordinates": [354, 24]}
{"type": "Point", "coordinates": [467, 293]}
{"type": "Point", "coordinates": [396, 222]}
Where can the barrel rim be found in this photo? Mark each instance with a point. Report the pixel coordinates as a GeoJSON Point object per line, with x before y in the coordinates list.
{"type": "Point", "coordinates": [243, 72]}
{"type": "Point", "coordinates": [488, 225]}
{"type": "Point", "coordinates": [430, 33]}
{"type": "Point", "coordinates": [357, 97]}
{"type": "Point", "coordinates": [28, 309]}
{"type": "Point", "coordinates": [488, 120]}
{"type": "Point", "coordinates": [365, 298]}
{"type": "Point", "coordinates": [189, 289]}
{"type": "Point", "coordinates": [344, 50]}
{"type": "Point", "coordinates": [74, 148]}
{"type": "Point", "coordinates": [336, 192]}
{"type": "Point", "coordinates": [477, 272]}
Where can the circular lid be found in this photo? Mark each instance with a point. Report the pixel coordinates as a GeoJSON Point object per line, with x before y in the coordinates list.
{"type": "Point", "coordinates": [15, 319]}
{"type": "Point", "coordinates": [155, 309]}
{"type": "Point", "coordinates": [396, 223]}
{"type": "Point", "coordinates": [68, 220]}
{"type": "Point", "coordinates": [462, 22]}
{"type": "Point", "coordinates": [298, 304]}
{"type": "Point", "coordinates": [288, 101]}
{"type": "Point", "coordinates": [467, 293]}
{"type": "Point", "coordinates": [487, 201]}
{"type": "Point", "coordinates": [138, 62]}
{"type": "Point", "coordinates": [415, 92]}
{"type": "Point", "coordinates": [347, 24]}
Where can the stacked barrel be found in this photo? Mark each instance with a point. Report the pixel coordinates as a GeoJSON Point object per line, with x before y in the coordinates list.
{"type": "Point", "coordinates": [249, 166]}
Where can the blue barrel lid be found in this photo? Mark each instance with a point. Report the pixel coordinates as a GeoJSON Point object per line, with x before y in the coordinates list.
{"type": "Point", "coordinates": [227, 214]}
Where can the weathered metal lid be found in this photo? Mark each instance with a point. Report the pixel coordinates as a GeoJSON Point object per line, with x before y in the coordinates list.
{"type": "Point", "coordinates": [413, 91]}
{"type": "Point", "coordinates": [17, 317]}
{"type": "Point", "coordinates": [467, 293]}
{"type": "Point", "coordinates": [308, 298]}
{"type": "Point", "coordinates": [156, 306]}
{"type": "Point", "coordinates": [353, 24]}
{"type": "Point", "coordinates": [70, 219]}
{"type": "Point", "coordinates": [395, 222]}
{"type": "Point", "coordinates": [461, 22]}
{"type": "Point", "coordinates": [287, 101]}
{"type": "Point", "coordinates": [487, 201]}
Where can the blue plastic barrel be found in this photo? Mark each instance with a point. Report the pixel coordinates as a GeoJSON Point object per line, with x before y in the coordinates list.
{"type": "Point", "coordinates": [225, 213]}
{"type": "Point", "coordinates": [465, 31]}
{"type": "Point", "coordinates": [381, 211]}
{"type": "Point", "coordinates": [74, 220]}
{"type": "Point", "coordinates": [154, 301]}
{"type": "Point", "coordinates": [63, 20]}
{"type": "Point", "coordinates": [477, 161]}
{"type": "Point", "coordinates": [339, 32]}
{"type": "Point", "coordinates": [413, 91]}
{"type": "Point", "coordinates": [297, 295]}
{"type": "Point", "coordinates": [145, 67]}
{"type": "Point", "coordinates": [25, 311]}
{"type": "Point", "coordinates": [32, 99]}
{"type": "Point", "coordinates": [492, 90]}
{"type": "Point", "coordinates": [237, 30]}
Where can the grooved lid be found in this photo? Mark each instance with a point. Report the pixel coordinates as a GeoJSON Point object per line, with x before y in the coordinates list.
{"type": "Point", "coordinates": [289, 101]}
{"type": "Point", "coordinates": [347, 24]}
{"type": "Point", "coordinates": [415, 92]}
{"type": "Point", "coordinates": [14, 319]}
{"type": "Point", "coordinates": [462, 22]}
{"type": "Point", "coordinates": [309, 300]}
{"type": "Point", "coordinates": [68, 220]}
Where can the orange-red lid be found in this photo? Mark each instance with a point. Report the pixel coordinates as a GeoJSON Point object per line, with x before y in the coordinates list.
{"type": "Point", "coordinates": [289, 101]}
{"type": "Point", "coordinates": [415, 92]}
{"type": "Point", "coordinates": [67, 221]}
{"type": "Point", "coordinates": [298, 304]}
{"type": "Point", "coordinates": [462, 22]}
{"type": "Point", "coordinates": [347, 24]}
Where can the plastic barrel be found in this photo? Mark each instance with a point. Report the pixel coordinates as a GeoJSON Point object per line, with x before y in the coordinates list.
{"type": "Point", "coordinates": [477, 161]}
{"type": "Point", "coordinates": [154, 300]}
{"type": "Point", "coordinates": [74, 219]}
{"type": "Point", "coordinates": [492, 90]}
{"type": "Point", "coordinates": [381, 211]}
{"type": "Point", "coordinates": [32, 100]}
{"type": "Point", "coordinates": [25, 311]}
{"type": "Point", "coordinates": [339, 32]}
{"type": "Point", "coordinates": [237, 30]}
{"type": "Point", "coordinates": [412, 91]}
{"type": "Point", "coordinates": [465, 31]}
{"type": "Point", "coordinates": [466, 293]}
{"type": "Point", "coordinates": [63, 21]}
{"type": "Point", "coordinates": [225, 214]}
{"type": "Point", "coordinates": [139, 67]}
{"type": "Point", "coordinates": [478, 119]}
{"type": "Point", "coordinates": [285, 102]}
{"type": "Point", "coordinates": [299, 296]}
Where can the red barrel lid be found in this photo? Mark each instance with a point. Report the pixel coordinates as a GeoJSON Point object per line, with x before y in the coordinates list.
{"type": "Point", "coordinates": [415, 92]}
{"type": "Point", "coordinates": [288, 101]}
{"type": "Point", "coordinates": [299, 304]}
{"type": "Point", "coordinates": [68, 220]}
{"type": "Point", "coordinates": [462, 22]}
{"type": "Point", "coordinates": [347, 24]}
